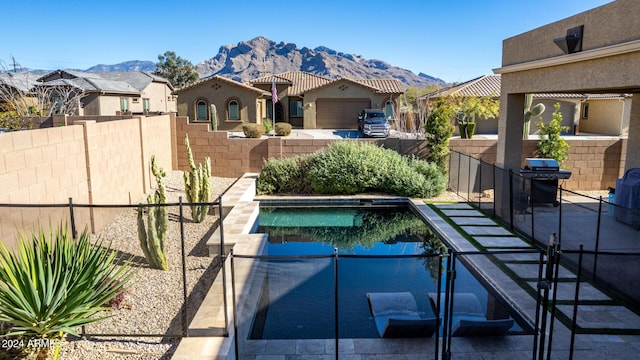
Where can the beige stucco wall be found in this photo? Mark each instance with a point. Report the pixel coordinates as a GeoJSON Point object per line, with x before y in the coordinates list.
{"type": "Point", "coordinates": [608, 63]}
{"type": "Point", "coordinates": [609, 24]}
{"type": "Point", "coordinates": [605, 117]}
{"type": "Point", "coordinates": [160, 98]}
{"type": "Point", "coordinates": [99, 163]}
{"type": "Point", "coordinates": [220, 93]}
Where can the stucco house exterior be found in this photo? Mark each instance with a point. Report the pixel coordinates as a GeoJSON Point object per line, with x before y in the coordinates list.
{"type": "Point", "coordinates": [125, 93]}
{"type": "Point", "coordinates": [602, 114]}
{"type": "Point", "coordinates": [304, 100]}
{"type": "Point", "coordinates": [601, 59]}
{"type": "Point", "coordinates": [229, 102]}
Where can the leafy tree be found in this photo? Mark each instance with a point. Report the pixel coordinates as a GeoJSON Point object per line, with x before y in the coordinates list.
{"type": "Point", "coordinates": [180, 72]}
{"type": "Point", "coordinates": [438, 130]}
{"type": "Point", "coordinates": [551, 145]}
{"type": "Point", "coordinates": [476, 107]}
{"type": "Point", "coordinates": [409, 100]}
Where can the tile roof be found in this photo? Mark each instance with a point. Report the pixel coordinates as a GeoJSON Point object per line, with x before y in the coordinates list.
{"type": "Point", "coordinates": [222, 79]}
{"type": "Point", "coordinates": [486, 85]}
{"type": "Point", "coordinates": [489, 85]}
{"type": "Point", "coordinates": [22, 81]}
{"type": "Point", "coordinates": [93, 84]}
{"type": "Point", "coordinates": [384, 86]}
{"type": "Point", "coordinates": [138, 79]}
{"type": "Point", "coordinates": [301, 81]}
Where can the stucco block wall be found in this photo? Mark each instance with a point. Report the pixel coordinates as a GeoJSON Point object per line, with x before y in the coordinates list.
{"type": "Point", "coordinates": [595, 163]}
{"type": "Point", "coordinates": [92, 163]}
{"type": "Point", "coordinates": [40, 166]}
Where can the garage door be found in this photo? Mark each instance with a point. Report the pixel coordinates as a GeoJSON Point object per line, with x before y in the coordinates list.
{"type": "Point", "coordinates": [339, 113]}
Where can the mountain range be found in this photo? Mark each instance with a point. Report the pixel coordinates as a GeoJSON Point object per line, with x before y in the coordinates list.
{"type": "Point", "coordinates": [260, 56]}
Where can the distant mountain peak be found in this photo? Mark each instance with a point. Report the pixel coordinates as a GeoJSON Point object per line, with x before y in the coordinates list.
{"type": "Point", "coordinates": [260, 56]}
{"type": "Point", "coordinates": [131, 65]}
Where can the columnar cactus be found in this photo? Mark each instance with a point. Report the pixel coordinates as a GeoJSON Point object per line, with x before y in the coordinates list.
{"type": "Point", "coordinates": [197, 185]}
{"type": "Point", "coordinates": [528, 113]}
{"type": "Point", "coordinates": [153, 236]}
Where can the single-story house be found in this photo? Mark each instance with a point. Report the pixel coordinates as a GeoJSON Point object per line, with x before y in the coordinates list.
{"type": "Point", "coordinates": [121, 93]}
{"type": "Point", "coordinates": [228, 102]}
{"type": "Point", "coordinates": [18, 85]}
{"type": "Point", "coordinates": [604, 114]}
{"type": "Point", "coordinates": [304, 100]}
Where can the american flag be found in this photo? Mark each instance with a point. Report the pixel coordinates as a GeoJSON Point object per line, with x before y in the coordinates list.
{"type": "Point", "coordinates": [274, 91]}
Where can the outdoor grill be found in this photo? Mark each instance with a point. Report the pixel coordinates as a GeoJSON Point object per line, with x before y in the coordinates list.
{"type": "Point", "coordinates": [544, 175]}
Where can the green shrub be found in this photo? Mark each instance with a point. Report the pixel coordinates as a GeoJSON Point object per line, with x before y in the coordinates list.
{"type": "Point", "coordinates": [283, 129]}
{"type": "Point", "coordinates": [437, 132]}
{"type": "Point", "coordinates": [53, 284]}
{"type": "Point", "coordinates": [253, 130]}
{"type": "Point", "coordinates": [551, 144]}
{"type": "Point", "coordinates": [350, 167]}
{"type": "Point", "coordinates": [286, 175]}
{"type": "Point", "coordinates": [268, 126]}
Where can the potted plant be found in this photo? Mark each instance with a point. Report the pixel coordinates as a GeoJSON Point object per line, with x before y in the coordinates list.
{"type": "Point", "coordinates": [470, 108]}
{"type": "Point", "coordinates": [551, 144]}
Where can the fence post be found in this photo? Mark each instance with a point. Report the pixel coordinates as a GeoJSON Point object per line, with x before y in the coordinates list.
{"type": "Point", "coordinates": [469, 178]}
{"type": "Point", "coordinates": [494, 190]}
{"type": "Point", "coordinates": [223, 258]}
{"type": "Point", "coordinates": [575, 304]}
{"type": "Point", "coordinates": [233, 302]}
{"type": "Point", "coordinates": [511, 199]}
{"type": "Point", "coordinates": [440, 258]}
{"type": "Point", "coordinates": [557, 251]}
{"type": "Point", "coordinates": [537, 321]}
{"type": "Point", "coordinates": [185, 312]}
{"type": "Point", "coordinates": [74, 232]}
{"type": "Point", "coordinates": [446, 354]}
{"type": "Point", "coordinates": [595, 255]}
{"type": "Point", "coordinates": [480, 185]}
{"type": "Point", "coordinates": [335, 290]}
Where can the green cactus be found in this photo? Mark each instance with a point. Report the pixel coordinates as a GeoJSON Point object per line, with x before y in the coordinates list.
{"type": "Point", "coordinates": [529, 112]}
{"type": "Point", "coordinates": [153, 236]}
{"type": "Point", "coordinates": [197, 185]}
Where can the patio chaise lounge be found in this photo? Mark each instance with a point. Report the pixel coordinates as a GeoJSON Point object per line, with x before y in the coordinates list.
{"type": "Point", "coordinates": [396, 315]}
{"type": "Point", "coordinates": [469, 318]}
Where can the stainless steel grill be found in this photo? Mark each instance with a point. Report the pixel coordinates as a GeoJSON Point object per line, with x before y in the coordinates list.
{"type": "Point", "coordinates": [544, 175]}
{"type": "Point", "coordinates": [547, 169]}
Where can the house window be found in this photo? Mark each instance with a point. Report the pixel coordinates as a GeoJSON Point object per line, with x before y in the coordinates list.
{"type": "Point", "coordinates": [124, 104]}
{"type": "Point", "coordinates": [145, 104]}
{"type": "Point", "coordinates": [201, 110]}
{"type": "Point", "coordinates": [388, 109]}
{"type": "Point", "coordinates": [135, 100]}
{"type": "Point", "coordinates": [295, 108]}
{"type": "Point", "coordinates": [234, 110]}
{"type": "Point", "coordinates": [585, 111]}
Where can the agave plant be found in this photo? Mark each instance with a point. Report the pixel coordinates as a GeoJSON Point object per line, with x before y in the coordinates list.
{"type": "Point", "coordinates": [52, 284]}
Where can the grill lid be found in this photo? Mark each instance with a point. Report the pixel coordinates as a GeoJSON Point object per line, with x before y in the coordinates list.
{"type": "Point", "coordinates": [536, 164]}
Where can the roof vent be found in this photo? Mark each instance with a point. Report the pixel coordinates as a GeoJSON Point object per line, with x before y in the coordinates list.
{"type": "Point", "coordinates": [571, 43]}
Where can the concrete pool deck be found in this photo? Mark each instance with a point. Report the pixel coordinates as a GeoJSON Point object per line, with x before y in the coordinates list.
{"type": "Point", "coordinates": [207, 340]}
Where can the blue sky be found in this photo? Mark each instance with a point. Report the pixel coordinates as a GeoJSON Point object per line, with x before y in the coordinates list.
{"type": "Point", "coordinates": [419, 35]}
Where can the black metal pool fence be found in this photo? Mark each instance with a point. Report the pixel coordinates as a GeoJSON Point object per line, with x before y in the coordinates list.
{"type": "Point", "coordinates": [442, 299]}
{"type": "Point", "coordinates": [608, 232]}
{"type": "Point", "coordinates": [187, 256]}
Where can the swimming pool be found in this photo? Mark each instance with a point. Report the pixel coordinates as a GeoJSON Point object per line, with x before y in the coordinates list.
{"type": "Point", "coordinates": [380, 249]}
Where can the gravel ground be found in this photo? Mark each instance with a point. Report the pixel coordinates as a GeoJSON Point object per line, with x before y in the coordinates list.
{"type": "Point", "coordinates": [155, 299]}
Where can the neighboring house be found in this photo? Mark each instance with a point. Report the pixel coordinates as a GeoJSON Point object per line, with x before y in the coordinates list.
{"type": "Point", "coordinates": [604, 114]}
{"type": "Point", "coordinates": [304, 100]}
{"type": "Point", "coordinates": [17, 84]}
{"type": "Point", "coordinates": [130, 93]}
{"type": "Point", "coordinates": [229, 102]}
{"type": "Point", "coordinates": [314, 102]}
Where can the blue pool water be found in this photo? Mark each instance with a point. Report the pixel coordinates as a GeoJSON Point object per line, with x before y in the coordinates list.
{"type": "Point", "coordinates": [297, 300]}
